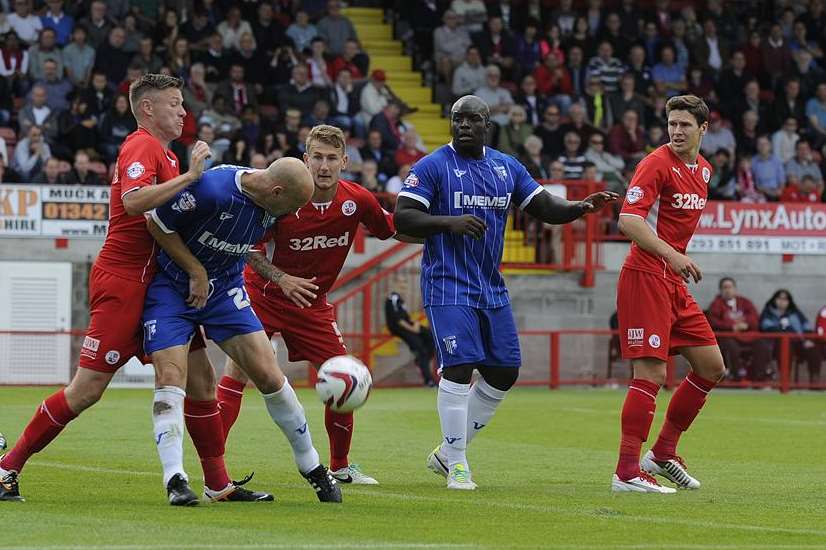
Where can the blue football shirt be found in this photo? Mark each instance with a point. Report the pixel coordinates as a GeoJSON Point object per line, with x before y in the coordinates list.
{"type": "Point", "coordinates": [217, 222]}
{"type": "Point", "coordinates": [457, 269]}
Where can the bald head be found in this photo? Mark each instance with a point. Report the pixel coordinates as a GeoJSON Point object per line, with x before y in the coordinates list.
{"type": "Point", "coordinates": [471, 104]}
{"type": "Point", "coordinates": [469, 124]}
{"type": "Point", "coordinates": [284, 186]}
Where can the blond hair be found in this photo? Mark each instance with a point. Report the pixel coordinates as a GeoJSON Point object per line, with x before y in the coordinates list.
{"type": "Point", "coordinates": [326, 134]}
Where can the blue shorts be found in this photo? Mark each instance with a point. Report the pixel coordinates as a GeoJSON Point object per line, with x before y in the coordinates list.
{"type": "Point", "coordinates": [168, 320]}
{"type": "Point", "coordinates": [471, 336]}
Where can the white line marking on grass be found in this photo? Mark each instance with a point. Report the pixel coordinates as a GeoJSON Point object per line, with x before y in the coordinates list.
{"type": "Point", "coordinates": [92, 469]}
{"type": "Point", "coordinates": [353, 546]}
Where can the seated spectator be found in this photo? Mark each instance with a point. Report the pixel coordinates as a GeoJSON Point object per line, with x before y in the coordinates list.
{"type": "Point", "coordinates": [346, 105]}
{"type": "Point", "coordinates": [557, 170]}
{"type": "Point", "coordinates": [607, 68]}
{"type": "Point", "coordinates": [643, 84]}
{"type": "Point", "coordinates": [717, 136]}
{"type": "Point", "coordinates": [99, 95]}
{"type": "Point", "coordinates": [134, 35]}
{"type": "Point", "coordinates": [655, 137]}
{"type": "Point", "coordinates": [36, 112]}
{"type": "Point", "coordinates": [241, 93]}
{"type": "Point", "coordinates": [582, 37]}
{"type": "Point", "coordinates": [803, 163]}
{"type": "Point", "coordinates": [80, 174]}
{"type": "Point", "coordinates": [196, 92]}
{"type": "Point", "coordinates": [731, 312]}
{"type": "Point", "coordinates": [250, 126]}
{"type": "Point", "coordinates": [746, 134]}
{"type": "Point", "coordinates": [497, 45]}
{"type": "Point", "coordinates": [77, 129]}
{"type": "Point", "coordinates": [50, 174]}
{"type": "Point", "coordinates": [319, 68]}
{"type": "Point", "coordinates": [24, 23]}
{"type": "Point", "coordinates": [789, 104]}
{"type": "Point", "coordinates": [732, 80]}
{"type": "Point", "coordinates": [115, 125]}
{"type": "Point", "coordinates": [781, 314]}
{"type": "Point", "coordinates": [111, 59]}
{"type": "Point", "coordinates": [166, 31]}
{"type": "Point", "coordinates": [351, 59]}
{"type": "Point", "coordinates": [336, 28]}
{"type": "Point", "coordinates": [784, 140]}
{"type": "Point", "coordinates": [374, 95]}
{"type": "Point", "coordinates": [472, 13]}
{"type": "Point", "coordinates": [238, 153]}
{"type": "Point", "coordinates": [626, 98]}
{"type": "Point", "coordinates": [259, 162]}
{"type": "Point", "coordinates": [97, 24]}
{"type": "Point", "coordinates": [221, 118]}
{"type": "Point", "coordinates": [354, 161]}
{"type": "Point", "coordinates": [216, 59]}
{"type": "Point", "coordinates": [498, 98]}
{"type": "Point", "coordinates": [578, 71]}
{"type": "Point", "coordinates": [746, 188]}
{"type": "Point", "coordinates": [535, 162]}
{"type": "Point", "coordinates": [809, 73]}
{"type": "Point", "coordinates": [579, 123]}
{"type": "Point", "coordinates": [513, 135]}
{"type": "Point", "coordinates": [31, 153]}
{"type": "Point", "coordinates": [417, 337]}
{"type": "Point", "coordinates": [320, 114]}
{"type": "Point", "coordinates": [301, 31]}
{"type": "Point", "coordinates": [369, 176]}
{"type": "Point", "coordinates": [395, 184]}
{"type": "Point", "coordinates": [768, 171]}
{"type": "Point", "coordinates": [408, 152]}
{"type": "Point", "coordinates": [470, 75]}
{"type": "Point", "coordinates": [14, 65]}
{"type": "Point", "coordinates": [627, 139]}
{"type": "Point", "coordinates": [232, 28]}
{"type": "Point", "coordinates": [596, 105]}
{"type": "Point", "coordinates": [701, 85]}
{"type": "Point", "coordinates": [805, 190]}
{"type": "Point", "coordinates": [551, 131]}
{"type": "Point", "coordinates": [179, 58]}
{"type": "Point", "coordinates": [7, 175]}
{"type": "Point", "coordinates": [533, 103]}
{"type": "Point", "coordinates": [572, 160]}
{"type": "Point", "coordinates": [669, 78]}
{"type": "Point", "coordinates": [608, 166]}
{"type": "Point", "coordinates": [146, 55]}
{"type": "Point", "coordinates": [287, 134]}
{"type": "Point", "coordinates": [206, 133]}
{"type": "Point", "coordinates": [199, 28]}
{"type": "Point", "coordinates": [816, 115]}
{"type": "Point", "coordinates": [375, 151]}
{"type": "Point", "coordinates": [723, 183]}
{"type": "Point", "coordinates": [57, 87]}
{"type": "Point", "coordinates": [389, 124]}
{"type": "Point", "coordinates": [59, 21]}
{"type": "Point", "coordinates": [79, 58]}
{"type": "Point", "coordinates": [529, 47]}
{"type": "Point", "coordinates": [46, 48]}
{"type": "Point", "coordinates": [711, 49]}
{"type": "Point", "coordinates": [553, 80]}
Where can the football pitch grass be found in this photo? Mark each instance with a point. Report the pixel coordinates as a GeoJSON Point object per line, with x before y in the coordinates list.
{"type": "Point", "coordinates": [543, 467]}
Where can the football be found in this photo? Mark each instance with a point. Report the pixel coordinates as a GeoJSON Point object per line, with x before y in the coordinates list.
{"type": "Point", "coordinates": [344, 383]}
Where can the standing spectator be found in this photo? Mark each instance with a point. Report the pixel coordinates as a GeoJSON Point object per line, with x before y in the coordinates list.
{"type": "Point", "coordinates": [767, 169]}
{"type": "Point", "coordinates": [606, 67]}
{"type": "Point", "coordinates": [242, 93]}
{"type": "Point", "coordinates": [31, 153]}
{"type": "Point", "coordinates": [111, 59]}
{"type": "Point", "coordinates": [669, 78]}
{"type": "Point", "coordinates": [97, 24]}
{"type": "Point", "coordinates": [784, 140]}
{"type": "Point", "coordinates": [408, 152]}
{"type": "Point", "coordinates": [497, 98]}
{"type": "Point", "coordinates": [56, 19]}
{"type": "Point", "coordinates": [803, 163]}
{"type": "Point", "coordinates": [268, 32]}
{"type": "Point", "coordinates": [776, 56]}
{"type": "Point", "coordinates": [79, 58]}
{"type": "Point", "coordinates": [57, 87]}
{"type": "Point", "coordinates": [115, 125]}
{"type": "Point", "coordinates": [37, 112]}
{"type": "Point", "coordinates": [533, 103]}
{"type": "Point", "coordinates": [26, 25]}
{"type": "Point", "coordinates": [417, 337]}
{"type": "Point", "coordinates": [816, 114]}
{"type": "Point", "coordinates": [450, 45]}
{"type": "Point", "coordinates": [805, 190]}
{"type": "Point", "coordinates": [497, 45]}
{"type": "Point", "coordinates": [301, 31]}
{"type": "Point", "coordinates": [731, 312]}
{"type": "Point", "coordinates": [335, 28]}
{"type": "Point", "coordinates": [470, 75]}
{"type": "Point", "coordinates": [232, 28]}
{"type": "Point", "coordinates": [46, 48]}
{"type": "Point", "coordinates": [553, 80]}
{"type": "Point", "coordinates": [717, 136]}
{"type": "Point", "coordinates": [50, 174]}
{"type": "Point", "coordinates": [627, 140]}
{"type": "Point", "coordinates": [535, 162]}
{"type": "Point", "coordinates": [472, 13]}
{"type": "Point", "coordinates": [572, 160]}
{"type": "Point", "coordinates": [609, 166]}
{"type": "Point", "coordinates": [512, 136]}
{"type": "Point", "coordinates": [789, 103]}
{"type": "Point", "coordinates": [81, 174]}
{"type": "Point", "coordinates": [216, 59]}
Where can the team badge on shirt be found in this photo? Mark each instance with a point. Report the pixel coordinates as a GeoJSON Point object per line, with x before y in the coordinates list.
{"type": "Point", "coordinates": [135, 170]}
{"type": "Point", "coordinates": [502, 172]}
{"type": "Point", "coordinates": [412, 180]}
{"type": "Point", "coordinates": [450, 344]}
{"type": "Point", "coordinates": [348, 208]}
{"type": "Point", "coordinates": [706, 174]}
{"type": "Point", "coordinates": [184, 203]}
{"type": "Point", "coordinates": [634, 194]}
{"type": "Point", "coordinates": [112, 356]}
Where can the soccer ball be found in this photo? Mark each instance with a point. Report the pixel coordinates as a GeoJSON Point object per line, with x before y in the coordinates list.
{"type": "Point", "coordinates": [344, 383]}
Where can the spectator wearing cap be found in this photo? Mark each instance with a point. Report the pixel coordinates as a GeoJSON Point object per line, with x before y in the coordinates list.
{"type": "Point", "coordinates": [607, 68]}
{"type": "Point", "coordinates": [767, 169]}
{"type": "Point", "coordinates": [499, 99]}
{"type": "Point", "coordinates": [232, 28]}
{"type": "Point", "coordinates": [46, 48]}
{"type": "Point", "coordinates": [805, 190]}
{"type": "Point", "coordinates": [24, 23]}
{"type": "Point", "coordinates": [79, 58]}
{"type": "Point", "coordinates": [669, 78]}
{"type": "Point", "coordinates": [784, 140]}
{"type": "Point", "coordinates": [375, 95]}
{"type": "Point", "coordinates": [62, 23]}
{"type": "Point", "coordinates": [497, 45]}
{"type": "Point", "coordinates": [470, 75]}
{"type": "Point", "coordinates": [717, 136]}
{"type": "Point", "coordinates": [731, 312]}
{"type": "Point", "coordinates": [335, 28]}
{"type": "Point", "coordinates": [450, 45]}
{"type": "Point", "coordinates": [301, 31]}
{"type": "Point", "coordinates": [789, 103]}
{"type": "Point", "coordinates": [816, 114]}
{"type": "Point", "coordinates": [803, 163]}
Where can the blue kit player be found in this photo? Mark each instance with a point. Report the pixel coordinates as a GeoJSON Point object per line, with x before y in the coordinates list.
{"type": "Point", "coordinates": [216, 221]}
{"type": "Point", "coordinates": [458, 198]}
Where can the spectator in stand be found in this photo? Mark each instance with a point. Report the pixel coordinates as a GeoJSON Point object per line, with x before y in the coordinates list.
{"type": "Point", "coordinates": [238, 153]}
{"type": "Point", "coordinates": [57, 87]}
{"type": "Point", "coordinates": [781, 314]}
{"type": "Point", "coordinates": [497, 46]}
{"type": "Point", "coordinates": [375, 151]}
{"type": "Point", "coordinates": [701, 85]}
{"type": "Point", "coordinates": [722, 186]}
{"type": "Point", "coordinates": [133, 34]}
{"type": "Point", "coordinates": [450, 44]}
{"type": "Point", "coordinates": [596, 105]}
{"type": "Point", "coordinates": [554, 82]}
{"type": "Point", "coordinates": [408, 152]}
{"type": "Point", "coordinates": [470, 75]}
{"type": "Point", "coordinates": [578, 123]}
{"type": "Point", "coordinates": [529, 46]}
{"type": "Point", "coordinates": [56, 19]}
{"type": "Point", "coordinates": [81, 173]}
{"type": "Point", "coordinates": [395, 184]}
{"type": "Point", "coordinates": [643, 84]}
{"type": "Point", "coordinates": [816, 114]}
{"type": "Point", "coordinates": [317, 64]}
{"type": "Point", "coordinates": [711, 49]}
{"type": "Point", "coordinates": [650, 41]}
{"type": "Point", "coordinates": [784, 140]}
{"type": "Point", "coordinates": [353, 60]}
{"type": "Point", "coordinates": [268, 32]}
{"type": "Point", "coordinates": [115, 126]}
{"type": "Point", "coordinates": [146, 55]}
{"type": "Point", "coordinates": [369, 177]}
{"type": "Point", "coordinates": [179, 58]}
{"type": "Point", "coordinates": [26, 25]}
{"type": "Point", "coordinates": [7, 175]}
{"type": "Point", "coordinates": [96, 24]}
{"type": "Point", "coordinates": [242, 93]}
{"type": "Point", "coordinates": [167, 31]}
{"type": "Point", "coordinates": [609, 166]}
{"type": "Point", "coordinates": [77, 129]}
{"type": "Point", "coordinates": [750, 101]}
{"type": "Point", "coordinates": [335, 28]}
{"type": "Point", "coordinates": [582, 37]}
{"type": "Point", "coordinates": [31, 153]}
{"type": "Point", "coordinates": [36, 112]}
{"type": "Point", "coordinates": [577, 71]}
{"type": "Point", "coordinates": [747, 133]}
{"type": "Point", "coordinates": [374, 95]}
{"type": "Point", "coordinates": [287, 134]}
{"type": "Point", "coordinates": [803, 163]}
{"type": "Point", "coordinates": [417, 337]}
{"type": "Point", "coordinates": [805, 69]}
{"type": "Point", "coordinates": [301, 31]}
{"type": "Point", "coordinates": [767, 169]}
{"type": "Point", "coordinates": [46, 48]}
{"type": "Point", "coordinates": [606, 67]}
{"type": "Point", "coordinates": [564, 16]}
{"type": "Point", "coordinates": [682, 46]}
{"type": "Point", "coordinates": [111, 59]}
{"type": "Point", "coordinates": [206, 133]}
{"type": "Point", "coordinates": [389, 124]}
{"type": "Point", "coordinates": [732, 80]}
{"type": "Point", "coordinates": [800, 41]}
{"type": "Point", "coordinates": [346, 104]}
{"type": "Point", "coordinates": [232, 28]}
{"type": "Point", "coordinates": [512, 136]}
{"type": "Point", "coordinates": [320, 114]}
{"type": "Point", "coordinates": [626, 98]}
{"type": "Point", "coordinates": [533, 103]}
{"type": "Point", "coordinates": [669, 78]}
{"type": "Point", "coordinates": [776, 55]}
{"type": "Point", "coordinates": [259, 161]}
{"type": "Point", "coordinates": [79, 58]}
{"type": "Point", "coordinates": [731, 312]}
{"type": "Point", "coordinates": [498, 99]}
{"type": "Point", "coordinates": [535, 162]}
{"type": "Point", "coordinates": [197, 94]}
{"type": "Point", "coordinates": [805, 190]}
{"type": "Point", "coordinates": [14, 65]}
{"type": "Point", "coordinates": [551, 132]}
{"type": "Point", "coordinates": [133, 73]}
{"type": "Point", "coordinates": [572, 160]}
{"type": "Point", "coordinates": [99, 95]}
{"type": "Point", "coordinates": [717, 136]}
{"type": "Point", "coordinates": [789, 104]}
{"type": "Point", "coordinates": [753, 52]}
{"type": "Point", "coordinates": [50, 174]}
{"type": "Point", "coordinates": [654, 137]}
{"type": "Point", "coordinates": [198, 29]}
{"type": "Point", "coordinates": [221, 118]}
{"type": "Point", "coordinates": [627, 140]}
{"type": "Point", "coordinates": [745, 186]}
{"type": "Point", "coordinates": [471, 13]}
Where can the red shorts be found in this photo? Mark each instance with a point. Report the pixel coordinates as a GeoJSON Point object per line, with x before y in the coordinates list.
{"type": "Point", "coordinates": [311, 334]}
{"type": "Point", "coordinates": [657, 316]}
{"type": "Point", "coordinates": [115, 330]}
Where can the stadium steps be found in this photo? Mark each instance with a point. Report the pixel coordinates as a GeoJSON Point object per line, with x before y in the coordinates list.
{"type": "Point", "coordinates": [516, 250]}
{"type": "Point", "coordinates": [385, 53]}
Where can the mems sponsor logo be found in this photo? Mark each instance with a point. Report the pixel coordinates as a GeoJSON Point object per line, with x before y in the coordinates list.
{"type": "Point", "coordinates": [319, 241]}
{"type": "Point", "coordinates": [209, 240]}
{"type": "Point", "coordinates": [462, 200]}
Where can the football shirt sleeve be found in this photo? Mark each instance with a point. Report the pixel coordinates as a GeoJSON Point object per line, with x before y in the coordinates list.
{"type": "Point", "coordinates": [137, 165]}
{"type": "Point", "coordinates": [525, 188]}
{"type": "Point", "coordinates": [421, 183]}
{"type": "Point", "coordinates": [645, 188]}
{"type": "Point", "coordinates": [184, 208]}
{"type": "Point", "coordinates": [377, 220]}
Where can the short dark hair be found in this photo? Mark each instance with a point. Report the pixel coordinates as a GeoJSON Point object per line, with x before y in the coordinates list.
{"type": "Point", "coordinates": [724, 279]}
{"type": "Point", "coordinates": [691, 103]}
{"type": "Point", "coordinates": [149, 83]}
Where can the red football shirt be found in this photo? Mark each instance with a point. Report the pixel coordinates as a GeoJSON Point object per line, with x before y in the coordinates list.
{"type": "Point", "coordinates": [129, 249]}
{"type": "Point", "coordinates": [315, 241]}
{"type": "Point", "coordinates": [670, 196]}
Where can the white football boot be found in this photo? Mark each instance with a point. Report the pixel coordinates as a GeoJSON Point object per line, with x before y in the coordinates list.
{"type": "Point", "coordinates": [353, 474]}
{"type": "Point", "coordinates": [459, 478]}
{"type": "Point", "coordinates": [643, 483]}
{"type": "Point", "coordinates": [673, 470]}
{"type": "Point", "coordinates": [437, 462]}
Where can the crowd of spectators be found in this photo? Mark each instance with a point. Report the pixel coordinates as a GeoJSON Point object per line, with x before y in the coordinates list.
{"type": "Point", "coordinates": [257, 76]}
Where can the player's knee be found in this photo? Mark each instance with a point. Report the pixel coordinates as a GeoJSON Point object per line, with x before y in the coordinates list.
{"type": "Point", "coordinates": [501, 378]}
{"type": "Point", "coordinates": [459, 374]}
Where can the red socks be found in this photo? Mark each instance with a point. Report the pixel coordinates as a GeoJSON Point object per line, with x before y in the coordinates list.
{"type": "Point", "coordinates": [48, 421]}
{"type": "Point", "coordinates": [637, 415]}
{"type": "Point", "coordinates": [229, 393]}
{"type": "Point", "coordinates": [203, 422]}
{"type": "Point", "coordinates": [682, 410]}
{"type": "Point", "coordinates": [340, 431]}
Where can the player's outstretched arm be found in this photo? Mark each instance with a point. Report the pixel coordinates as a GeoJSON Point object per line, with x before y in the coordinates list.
{"type": "Point", "coordinates": [181, 255]}
{"type": "Point", "coordinates": [152, 196]}
{"type": "Point", "coordinates": [300, 291]}
{"type": "Point", "coordinates": [556, 210]}
{"type": "Point", "coordinates": [412, 219]}
{"type": "Point", "coordinates": [635, 228]}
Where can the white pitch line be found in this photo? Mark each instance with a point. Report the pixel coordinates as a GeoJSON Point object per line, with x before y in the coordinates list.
{"type": "Point", "coordinates": [346, 546]}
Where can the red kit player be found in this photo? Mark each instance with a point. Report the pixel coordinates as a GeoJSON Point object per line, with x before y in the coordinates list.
{"type": "Point", "coordinates": [657, 315]}
{"type": "Point", "coordinates": [147, 175]}
{"type": "Point", "coordinates": [311, 246]}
